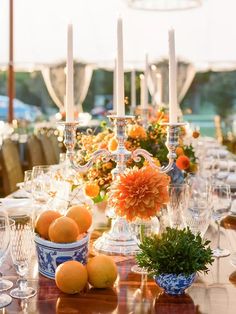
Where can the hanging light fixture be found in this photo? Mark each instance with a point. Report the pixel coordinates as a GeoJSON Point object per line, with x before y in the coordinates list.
{"type": "Point", "coordinates": [164, 5]}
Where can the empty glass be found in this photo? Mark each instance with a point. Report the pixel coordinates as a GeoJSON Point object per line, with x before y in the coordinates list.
{"type": "Point", "coordinates": [22, 248]}
{"type": "Point", "coordinates": [221, 196]}
{"type": "Point", "coordinates": [197, 215]}
{"type": "Point", "coordinates": [5, 235]}
{"type": "Point", "coordinates": [41, 183]}
{"type": "Point", "coordinates": [178, 201]}
{"type": "Point", "coordinates": [28, 181]}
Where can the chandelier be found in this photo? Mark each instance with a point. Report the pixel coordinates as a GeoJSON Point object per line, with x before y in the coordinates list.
{"type": "Point", "coordinates": [164, 5]}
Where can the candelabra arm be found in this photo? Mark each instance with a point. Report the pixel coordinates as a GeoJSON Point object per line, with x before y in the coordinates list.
{"type": "Point", "coordinates": [83, 168]}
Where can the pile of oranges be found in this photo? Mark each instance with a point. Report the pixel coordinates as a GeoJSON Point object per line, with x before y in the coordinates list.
{"type": "Point", "coordinates": [71, 277]}
{"type": "Point", "coordinates": [71, 227]}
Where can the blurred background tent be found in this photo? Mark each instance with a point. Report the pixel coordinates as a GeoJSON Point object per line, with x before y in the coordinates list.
{"type": "Point", "coordinates": [204, 40]}
{"type": "Point", "coordinates": [204, 36]}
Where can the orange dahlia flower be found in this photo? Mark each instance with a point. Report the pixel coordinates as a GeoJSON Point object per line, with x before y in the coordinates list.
{"type": "Point", "coordinates": [139, 193]}
{"type": "Point", "coordinates": [183, 162]}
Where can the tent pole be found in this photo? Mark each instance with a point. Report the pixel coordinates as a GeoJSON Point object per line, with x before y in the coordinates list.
{"type": "Point", "coordinates": [11, 83]}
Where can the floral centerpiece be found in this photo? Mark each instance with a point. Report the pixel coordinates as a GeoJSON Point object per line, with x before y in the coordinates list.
{"type": "Point", "coordinates": [152, 138]}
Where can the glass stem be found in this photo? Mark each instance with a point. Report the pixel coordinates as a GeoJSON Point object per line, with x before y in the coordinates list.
{"type": "Point", "coordinates": [218, 235]}
{"type": "Point", "coordinates": [23, 284]}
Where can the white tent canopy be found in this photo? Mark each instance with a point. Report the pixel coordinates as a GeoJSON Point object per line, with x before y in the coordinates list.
{"type": "Point", "coordinates": [205, 36]}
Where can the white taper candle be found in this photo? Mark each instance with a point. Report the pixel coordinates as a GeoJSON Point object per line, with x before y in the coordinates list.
{"type": "Point", "coordinates": [172, 79]}
{"type": "Point", "coordinates": [146, 73]}
{"type": "Point", "coordinates": [133, 89]}
{"type": "Point", "coordinates": [159, 87]}
{"type": "Point", "coordinates": [120, 70]}
{"type": "Point", "coordinates": [115, 87]}
{"type": "Point", "coordinates": [69, 105]}
{"type": "Point", "coordinates": [142, 91]}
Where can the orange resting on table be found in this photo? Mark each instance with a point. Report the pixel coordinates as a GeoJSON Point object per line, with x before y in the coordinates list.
{"type": "Point", "coordinates": [91, 189]}
{"type": "Point", "coordinates": [43, 222]}
{"type": "Point", "coordinates": [102, 271]}
{"type": "Point", "coordinates": [63, 230]}
{"type": "Point", "coordinates": [71, 277]}
{"type": "Point", "coordinates": [81, 215]}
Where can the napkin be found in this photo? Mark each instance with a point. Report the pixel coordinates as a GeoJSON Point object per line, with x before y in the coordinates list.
{"type": "Point", "coordinates": [16, 206]}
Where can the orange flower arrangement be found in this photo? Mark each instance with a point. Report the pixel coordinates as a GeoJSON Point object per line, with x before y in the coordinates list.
{"type": "Point", "coordinates": [137, 131]}
{"type": "Point", "coordinates": [139, 193]}
{"type": "Point", "coordinates": [183, 162]}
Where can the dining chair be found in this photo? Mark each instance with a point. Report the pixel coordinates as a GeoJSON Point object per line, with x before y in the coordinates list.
{"type": "Point", "coordinates": [56, 147]}
{"type": "Point", "coordinates": [48, 150]}
{"type": "Point", "coordinates": [11, 166]}
{"type": "Point", "coordinates": [35, 154]}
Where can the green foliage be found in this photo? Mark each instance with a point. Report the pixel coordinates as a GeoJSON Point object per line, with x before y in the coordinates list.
{"type": "Point", "coordinates": [189, 151]}
{"type": "Point", "coordinates": [175, 251]}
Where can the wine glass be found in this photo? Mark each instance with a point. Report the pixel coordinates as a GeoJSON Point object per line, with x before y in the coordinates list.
{"type": "Point", "coordinates": [41, 183]}
{"type": "Point", "coordinates": [178, 201]}
{"type": "Point", "coordinates": [28, 181]}
{"type": "Point", "coordinates": [21, 253]}
{"type": "Point", "coordinates": [197, 215]}
{"type": "Point", "coordinates": [221, 197]}
{"type": "Point", "coordinates": [5, 235]}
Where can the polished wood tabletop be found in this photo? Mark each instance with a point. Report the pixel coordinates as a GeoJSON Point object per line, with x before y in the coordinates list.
{"type": "Point", "coordinates": [134, 294]}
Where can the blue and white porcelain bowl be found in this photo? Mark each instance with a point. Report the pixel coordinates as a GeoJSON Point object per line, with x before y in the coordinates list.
{"type": "Point", "coordinates": [174, 284]}
{"type": "Point", "coordinates": [51, 254]}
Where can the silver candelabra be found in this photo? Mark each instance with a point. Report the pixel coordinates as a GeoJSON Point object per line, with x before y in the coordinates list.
{"type": "Point", "coordinates": [119, 240]}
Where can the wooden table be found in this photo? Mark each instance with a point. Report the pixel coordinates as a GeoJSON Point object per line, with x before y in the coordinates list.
{"type": "Point", "coordinates": [132, 294]}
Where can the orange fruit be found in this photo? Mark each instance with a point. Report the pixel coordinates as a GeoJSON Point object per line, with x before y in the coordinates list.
{"type": "Point", "coordinates": [179, 151]}
{"type": "Point", "coordinates": [183, 162]}
{"type": "Point", "coordinates": [63, 230]}
{"type": "Point", "coordinates": [112, 144]}
{"type": "Point", "coordinates": [71, 277]}
{"type": "Point", "coordinates": [91, 189]}
{"type": "Point", "coordinates": [81, 215]}
{"type": "Point", "coordinates": [196, 134]}
{"type": "Point", "coordinates": [102, 271]}
{"type": "Point", "coordinates": [43, 222]}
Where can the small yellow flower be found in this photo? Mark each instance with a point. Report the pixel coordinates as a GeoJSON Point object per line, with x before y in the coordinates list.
{"type": "Point", "coordinates": [112, 144]}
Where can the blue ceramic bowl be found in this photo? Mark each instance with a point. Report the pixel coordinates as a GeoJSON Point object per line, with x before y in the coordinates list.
{"type": "Point", "coordinates": [174, 284]}
{"type": "Point", "coordinates": [51, 254]}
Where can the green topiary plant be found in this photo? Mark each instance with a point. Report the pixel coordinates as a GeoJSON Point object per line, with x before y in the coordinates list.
{"type": "Point", "coordinates": [175, 252]}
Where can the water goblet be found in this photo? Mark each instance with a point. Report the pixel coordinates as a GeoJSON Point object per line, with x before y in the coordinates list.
{"type": "Point", "coordinates": [178, 201]}
{"type": "Point", "coordinates": [21, 253]}
{"type": "Point", "coordinates": [5, 235]}
{"type": "Point", "coordinates": [221, 197]}
{"type": "Point", "coordinates": [197, 215]}
{"type": "Point", "coordinates": [28, 181]}
{"type": "Point", "coordinates": [41, 183]}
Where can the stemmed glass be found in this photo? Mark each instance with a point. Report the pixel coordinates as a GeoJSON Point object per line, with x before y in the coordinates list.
{"type": "Point", "coordinates": [21, 253]}
{"type": "Point", "coordinates": [221, 197]}
{"type": "Point", "coordinates": [28, 181]}
{"type": "Point", "coordinates": [40, 183]}
{"type": "Point", "coordinates": [5, 236]}
{"type": "Point", "coordinates": [178, 201]}
{"type": "Point", "coordinates": [197, 215]}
